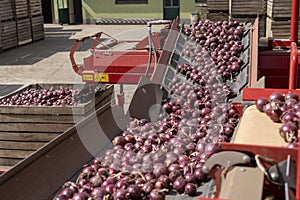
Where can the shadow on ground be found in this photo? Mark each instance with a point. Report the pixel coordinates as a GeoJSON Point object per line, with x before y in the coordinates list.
{"type": "Point", "coordinates": [56, 40]}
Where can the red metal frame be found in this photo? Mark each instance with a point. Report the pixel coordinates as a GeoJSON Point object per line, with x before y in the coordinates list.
{"type": "Point", "coordinates": [265, 66]}
{"type": "Point", "coordinates": [110, 66]}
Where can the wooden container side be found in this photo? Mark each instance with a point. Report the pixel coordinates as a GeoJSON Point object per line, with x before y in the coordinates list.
{"type": "Point", "coordinates": [6, 10]}
{"type": "Point", "coordinates": [24, 129]}
{"type": "Point", "coordinates": [24, 31]}
{"type": "Point", "coordinates": [61, 159]}
{"type": "Point", "coordinates": [80, 109]}
{"type": "Point", "coordinates": [8, 34]}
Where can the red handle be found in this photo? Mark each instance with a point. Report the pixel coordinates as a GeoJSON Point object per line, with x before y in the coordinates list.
{"type": "Point", "coordinates": [78, 67]}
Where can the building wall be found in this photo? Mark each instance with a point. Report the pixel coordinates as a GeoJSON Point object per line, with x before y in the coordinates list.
{"type": "Point", "coordinates": [95, 9]}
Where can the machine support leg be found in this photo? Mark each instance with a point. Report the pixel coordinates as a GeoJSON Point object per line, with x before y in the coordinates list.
{"type": "Point", "coordinates": [293, 66]}
{"type": "Point", "coordinates": [294, 21]}
{"type": "Point", "coordinates": [294, 40]}
{"type": "Point", "coordinates": [121, 96]}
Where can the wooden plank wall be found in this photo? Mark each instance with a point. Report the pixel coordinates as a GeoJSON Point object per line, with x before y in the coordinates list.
{"type": "Point", "coordinates": [248, 8]}
{"type": "Point", "coordinates": [279, 18]}
{"type": "Point", "coordinates": [8, 34]}
{"type": "Point", "coordinates": [21, 22]}
{"type": "Point", "coordinates": [37, 24]}
{"type": "Point", "coordinates": [6, 10]}
{"type": "Point", "coordinates": [218, 10]}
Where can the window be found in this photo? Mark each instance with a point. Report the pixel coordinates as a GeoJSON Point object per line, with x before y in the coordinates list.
{"type": "Point", "coordinates": [131, 1]}
{"type": "Point", "coordinates": [171, 3]}
{"type": "Point", "coordinates": [200, 1]}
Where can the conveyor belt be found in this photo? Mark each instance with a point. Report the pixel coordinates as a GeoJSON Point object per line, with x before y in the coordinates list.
{"type": "Point", "coordinates": [177, 58]}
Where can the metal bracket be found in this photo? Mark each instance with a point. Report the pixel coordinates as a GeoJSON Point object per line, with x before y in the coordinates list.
{"type": "Point", "coordinates": [218, 162]}
{"type": "Point", "coordinates": [284, 173]}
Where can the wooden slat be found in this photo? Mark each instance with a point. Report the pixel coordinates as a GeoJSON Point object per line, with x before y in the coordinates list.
{"type": "Point", "coordinates": [10, 161]}
{"type": "Point", "coordinates": [4, 168]}
{"type": "Point", "coordinates": [250, 7]}
{"type": "Point", "coordinates": [34, 127]}
{"type": "Point", "coordinates": [9, 34]}
{"type": "Point", "coordinates": [279, 8]}
{"type": "Point", "coordinates": [6, 10]}
{"type": "Point", "coordinates": [218, 16]}
{"type": "Point", "coordinates": [61, 119]}
{"type": "Point", "coordinates": [37, 24]}
{"type": "Point", "coordinates": [20, 154]}
{"type": "Point", "coordinates": [21, 136]}
{"type": "Point", "coordinates": [35, 7]}
{"type": "Point", "coordinates": [217, 5]}
{"type": "Point", "coordinates": [21, 8]}
{"type": "Point", "coordinates": [17, 145]}
{"type": "Point", "coordinates": [280, 28]}
{"type": "Point", "coordinates": [24, 31]}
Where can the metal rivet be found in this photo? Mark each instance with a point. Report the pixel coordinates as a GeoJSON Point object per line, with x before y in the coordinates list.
{"type": "Point", "coordinates": [242, 169]}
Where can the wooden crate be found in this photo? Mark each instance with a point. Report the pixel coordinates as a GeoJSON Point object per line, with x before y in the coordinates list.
{"type": "Point", "coordinates": [37, 24]}
{"type": "Point", "coordinates": [218, 16]}
{"type": "Point", "coordinates": [24, 31]}
{"type": "Point", "coordinates": [6, 10]}
{"type": "Point", "coordinates": [249, 7]}
{"type": "Point", "coordinates": [218, 5]}
{"type": "Point", "coordinates": [251, 19]}
{"type": "Point", "coordinates": [21, 8]}
{"type": "Point", "coordinates": [280, 28]}
{"type": "Point", "coordinates": [25, 129]}
{"type": "Point", "coordinates": [203, 12]}
{"type": "Point", "coordinates": [279, 8]}
{"type": "Point", "coordinates": [35, 7]}
{"type": "Point", "coordinates": [8, 34]}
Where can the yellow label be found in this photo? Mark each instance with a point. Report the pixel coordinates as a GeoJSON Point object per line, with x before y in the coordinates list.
{"type": "Point", "coordinates": [87, 77]}
{"type": "Point", "coordinates": [101, 78]}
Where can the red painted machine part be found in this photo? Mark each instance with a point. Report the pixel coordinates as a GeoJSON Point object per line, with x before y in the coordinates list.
{"type": "Point", "coordinates": [117, 66]}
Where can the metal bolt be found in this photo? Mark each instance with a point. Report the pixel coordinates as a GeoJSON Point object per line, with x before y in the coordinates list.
{"type": "Point", "coordinates": [246, 159]}
{"type": "Point", "coordinates": [274, 176]}
{"type": "Point", "coordinates": [205, 169]}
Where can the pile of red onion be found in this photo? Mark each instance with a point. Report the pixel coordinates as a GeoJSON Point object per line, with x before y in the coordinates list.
{"type": "Point", "coordinates": [221, 41]}
{"type": "Point", "coordinates": [149, 159]}
{"type": "Point", "coordinates": [283, 109]}
{"type": "Point", "coordinates": [49, 97]}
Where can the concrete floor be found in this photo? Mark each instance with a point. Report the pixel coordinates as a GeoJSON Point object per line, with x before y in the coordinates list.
{"type": "Point", "coordinates": [47, 61]}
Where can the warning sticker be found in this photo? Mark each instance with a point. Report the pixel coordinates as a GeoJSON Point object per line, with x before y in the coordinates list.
{"type": "Point", "coordinates": [87, 77]}
{"type": "Point", "coordinates": [101, 78]}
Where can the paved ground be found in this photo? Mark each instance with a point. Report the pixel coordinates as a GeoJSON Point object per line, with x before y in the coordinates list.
{"type": "Point", "coordinates": [47, 61]}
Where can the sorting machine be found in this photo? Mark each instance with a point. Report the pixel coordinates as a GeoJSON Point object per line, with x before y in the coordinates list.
{"type": "Point", "coordinates": [254, 164]}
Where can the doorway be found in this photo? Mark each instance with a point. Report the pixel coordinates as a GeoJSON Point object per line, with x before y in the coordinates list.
{"type": "Point", "coordinates": [171, 9]}
{"type": "Point", "coordinates": [47, 11]}
{"type": "Point", "coordinates": [78, 12]}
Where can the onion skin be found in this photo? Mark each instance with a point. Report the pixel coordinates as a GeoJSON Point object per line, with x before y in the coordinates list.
{"type": "Point", "coordinates": [260, 103]}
